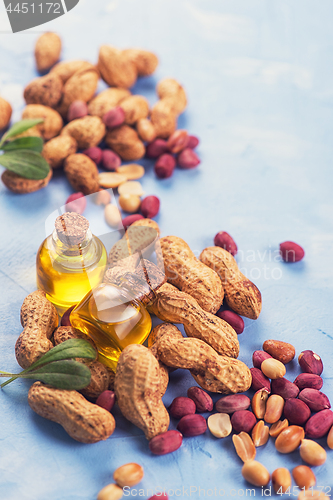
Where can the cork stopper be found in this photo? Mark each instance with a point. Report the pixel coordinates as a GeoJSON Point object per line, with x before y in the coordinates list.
{"type": "Point", "coordinates": [71, 228]}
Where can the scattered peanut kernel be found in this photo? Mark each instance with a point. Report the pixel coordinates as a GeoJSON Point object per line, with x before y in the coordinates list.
{"type": "Point", "coordinates": [219, 425]}
{"type": "Point", "coordinates": [255, 473]}
{"type": "Point", "coordinates": [304, 476]}
{"type": "Point", "coordinates": [312, 453]}
{"type": "Point", "coordinates": [103, 197]}
{"type": "Point", "coordinates": [111, 179]}
{"type": "Point", "coordinates": [258, 403]}
{"type": "Point", "coordinates": [128, 475]}
{"type": "Point", "coordinates": [274, 409]}
{"type": "Point", "coordinates": [132, 171]}
{"type": "Point", "coordinates": [289, 439]}
{"type": "Point", "coordinates": [112, 216]}
{"type": "Point", "coordinates": [260, 434]}
{"type": "Point", "coordinates": [312, 495]}
{"type": "Point", "coordinates": [273, 368]}
{"type": "Point", "coordinates": [131, 187]}
{"type": "Point", "coordinates": [278, 427]}
{"type": "Point", "coordinates": [281, 480]}
{"type": "Point", "coordinates": [110, 492]}
{"type": "Point", "coordinates": [244, 446]}
{"type": "Point", "coordinates": [129, 203]}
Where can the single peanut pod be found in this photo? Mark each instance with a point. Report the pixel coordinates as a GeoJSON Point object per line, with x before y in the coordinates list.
{"type": "Point", "coordinates": [304, 476]}
{"type": "Point", "coordinates": [312, 453]}
{"type": "Point", "coordinates": [212, 372]}
{"type": "Point", "coordinates": [39, 319]}
{"type": "Point", "coordinates": [274, 409]}
{"type": "Point", "coordinates": [187, 273]}
{"type": "Point", "coordinates": [260, 434]}
{"type": "Point", "coordinates": [110, 492]}
{"type": "Point", "coordinates": [83, 421]}
{"type": "Point", "coordinates": [281, 480]}
{"type": "Point", "coordinates": [278, 427]}
{"type": "Point", "coordinates": [258, 403]}
{"type": "Point", "coordinates": [219, 425]}
{"type": "Point", "coordinates": [241, 295]}
{"type": "Point", "coordinates": [174, 306]}
{"type": "Point", "coordinates": [255, 473]}
{"type": "Point", "coordinates": [244, 446]}
{"type": "Point", "coordinates": [273, 368]}
{"type": "Point", "coordinates": [137, 387]}
{"type": "Point", "coordinates": [128, 475]}
{"type": "Point", "coordinates": [289, 439]}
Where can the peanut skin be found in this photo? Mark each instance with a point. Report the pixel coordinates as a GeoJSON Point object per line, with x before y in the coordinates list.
{"type": "Point", "coordinates": [187, 273]}
{"type": "Point", "coordinates": [241, 295]}
{"type": "Point", "coordinates": [212, 372]}
{"type": "Point", "coordinates": [83, 421]}
{"type": "Point", "coordinates": [138, 391]}
{"type": "Point", "coordinates": [174, 306]}
{"type": "Point", "coordinates": [39, 319]}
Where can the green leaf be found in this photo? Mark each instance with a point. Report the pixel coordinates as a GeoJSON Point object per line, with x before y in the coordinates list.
{"type": "Point", "coordinates": [32, 143]}
{"type": "Point", "coordinates": [26, 163]}
{"type": "Point", "coordinates": [69, 375]}
{"type": "Point", "coordinates": [73, 348]}
{"type": "Point", "coordinates": [20, 127]}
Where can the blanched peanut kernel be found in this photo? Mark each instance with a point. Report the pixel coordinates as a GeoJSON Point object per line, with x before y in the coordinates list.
{"type": "Point", "coordinates": [289, 439]}
{"type": "Point", "coordinates": [281, 480]}
{"type": "Point", "coordinates": [255, 473]}
{"type": "Point", "coordinates": [273, 368]}
{"type": "Point", "coordinates": [304, 476]}
{"type": "Point", "coordinates": [274, 409]}
{"type": "Point", "coordinates": [131, 187]}
{"type": "Point", "coordinates": [112, 216]}
{"type": "Point", "coordinates": [258, 403]}
{"type": "Point", "coordinates": [129, 202]}
{"type": "Point", "coordinates": [128, 475]}
{"type": "Point", "coordinates": [260, 434]}
{"type": "Point", "coordinates": [103, 197]}
{"type": "Point", "coordinates": [111, 179]}
{"type": "Point", "coordinates": [110, 492]}
{"type": "Point", "coordinates": [312, 453]}
{"type": "Point", "coordinates": [278, 427]}
{"type": "Point", "coordinates": [244, 446]}
{"type": "Point", "coordinates": [219, 425]}
{"type": "Point", "coordinates": [132, 171]}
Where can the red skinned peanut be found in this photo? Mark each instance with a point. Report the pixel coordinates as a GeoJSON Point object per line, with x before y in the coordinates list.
{"type": "Point", "coordinates": [94, 153]}
{"type": "Point", "coordinates": [77, 109]}
{"type": "Point", "coordinates": [193, 141]}
{"type": "Point", "coordinates": [106, 400]}
{"type": "Point", "coordinates": [127, 221]}
{"type": "Point", "coordinates": [110, 160]}
{"type": "Point", "coordinates": [224, 240]}
{"type": "Point", "coordinates": [165, 166]}
{"type": "Point", "coordinates": [178, 141]}
{"type": "Point", "coordinates": [259, 380]}
{"type": "Point", "coordinates": [182, 406]}
{"type": "Point", "coordinates": [114, 117]}
{"type": "Point", "coordinates": [258, 357]}
{"type": "Point", "coordinates": [310, 362]}
{"type": "Point", "coordinates": [202, 400]}
{"type": "Point", "coordinates": [167, 442]}
{"type": "Point", "coordinates": [291, 252]}
{"type": "Point", "coordinates": [192, 425]}
{"type": "Point", "coordinates": [233, 319]}
{"type": "Point", "coordinates": [308, 380]}
{"type": "Point", "coordinates": [76, 202]}
{"type": "Point", "coordinates": [150, 206]}
{"type": "Point", "coordinates": [65, 320]}
{"type": "Point", "coordinates": [243, 421]}
{"type": "Point", "coordinates": [158, 496]}
{"type": "Point", "coordinates": [188, 159]}
{"type": "Point", "coordinates": [157, 148]}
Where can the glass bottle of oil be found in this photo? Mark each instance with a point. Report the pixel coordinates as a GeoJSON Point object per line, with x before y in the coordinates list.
{"type": "Point", "coordinates": [70, 262]}
{"type": "Point", "coordinates": [114, 317]}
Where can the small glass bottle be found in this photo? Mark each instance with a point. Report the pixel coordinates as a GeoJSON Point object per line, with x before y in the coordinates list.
{"type": "Point", "coordinates": [70, 262]}
{"type": "Point", "coordinates": [114, 316]}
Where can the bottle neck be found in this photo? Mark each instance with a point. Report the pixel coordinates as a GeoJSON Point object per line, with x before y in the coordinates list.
{"type": "Point", "coordinates": [71, 251]}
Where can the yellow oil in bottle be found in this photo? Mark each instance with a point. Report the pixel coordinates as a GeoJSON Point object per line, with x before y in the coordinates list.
{"type": "Point", "coordinates": [67, 271]}
{"type": "Point", "coordinates": [113, 319]}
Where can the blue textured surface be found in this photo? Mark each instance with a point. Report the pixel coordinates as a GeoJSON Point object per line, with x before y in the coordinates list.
{"type": "Point", "coordinates": [259, 78]}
